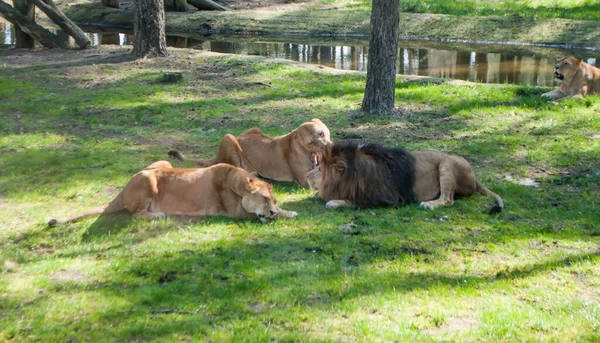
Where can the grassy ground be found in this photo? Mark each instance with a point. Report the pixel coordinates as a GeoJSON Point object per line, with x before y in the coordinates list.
{"type": "Point", "coordinates": [76, 125]}
{"type": "Point", "coordinates": [567, 9]}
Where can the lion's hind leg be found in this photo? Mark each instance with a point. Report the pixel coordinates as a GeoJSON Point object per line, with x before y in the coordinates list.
{"type": "Point", "coordinates": [141, 193]}
{"type": "Point", "coordinates": [456, 178]}
{"type": "Point", "coordinates": [231, 152]}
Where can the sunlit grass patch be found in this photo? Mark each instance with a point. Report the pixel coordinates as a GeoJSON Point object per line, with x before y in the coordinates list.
{"type": "Point", "coordinates": [569, 9]}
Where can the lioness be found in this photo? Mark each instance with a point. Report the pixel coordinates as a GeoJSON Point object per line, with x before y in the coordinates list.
{"type": "Point", "coordinates": [284, 158]}
{"type": "Point", "coordinates": [161, 190]}
{"type": "Point", "coordinates": [577, 79]}
{"type": "Point", "coordinates": [356, 175]}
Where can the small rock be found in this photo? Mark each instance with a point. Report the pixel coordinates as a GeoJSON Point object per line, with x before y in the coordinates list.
{"type": "Point", "coordinates": [349, 229]}
{"type": "Point", "coordinates": [172, 77]}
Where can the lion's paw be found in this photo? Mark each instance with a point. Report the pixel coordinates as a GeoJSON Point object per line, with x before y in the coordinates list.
{"type": "Point", "coordinates": [331, 204]}
{"type": "Point", "coordinates": [426, 206]}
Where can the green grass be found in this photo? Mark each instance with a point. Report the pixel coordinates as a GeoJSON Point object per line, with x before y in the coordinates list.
{"type": "Point", "coordinates": [75, 131]}
{"type": "Point", "coordinates": [567, 9]}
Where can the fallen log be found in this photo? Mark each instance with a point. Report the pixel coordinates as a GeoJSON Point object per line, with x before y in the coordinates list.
{"type": "Point", "coordinates": [48, 7]}
{"type": "Point", "coordinates": [207, 5]}
{"type": "Point", "coordinates": [45, 37]}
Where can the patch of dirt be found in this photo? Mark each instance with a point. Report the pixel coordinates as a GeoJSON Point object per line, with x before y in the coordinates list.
{"type": "Point", "coordinates": [522, 181]}
{"type": "Point", "coordinates": [461, 323]}
{"type": "Point", "coordinates": [391, 131]}
{"type": "Point", "coordinates": [455, 324]}
{"type": "Point", "coordinates": [70, 276]}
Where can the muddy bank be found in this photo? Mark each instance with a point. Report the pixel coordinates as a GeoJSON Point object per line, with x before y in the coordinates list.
{"type": "Point", "coordinates": [351, 22]}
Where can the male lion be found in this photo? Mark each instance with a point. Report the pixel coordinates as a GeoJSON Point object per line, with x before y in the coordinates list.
{"type": "Point", "coordinates": [357, 175]}
{"type": "Point", "coordinates": [577, 79]}
{"type": "Point", "coordinates": [161, 190]}
{"type": "Point", "coordinates": [284, 158]}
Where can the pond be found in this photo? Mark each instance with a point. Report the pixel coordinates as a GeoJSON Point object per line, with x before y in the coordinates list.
{"type": "Point", "coordinates": [479, 63]}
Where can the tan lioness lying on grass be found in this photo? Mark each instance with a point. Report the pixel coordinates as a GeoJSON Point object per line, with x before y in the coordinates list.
{"type": "Point", "coordinates": [161, 190]}
{"type": "Point", "coordinates": [576, 77]}
{"type": "Point", "coordinates": [285, 158]}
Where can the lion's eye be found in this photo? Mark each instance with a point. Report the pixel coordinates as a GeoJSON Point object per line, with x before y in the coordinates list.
{"type": "Point", "coordinates": [321, 134]}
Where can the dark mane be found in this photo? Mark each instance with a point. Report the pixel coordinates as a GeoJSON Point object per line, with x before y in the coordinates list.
{"type": "Point", "coordinates": [368, 174]}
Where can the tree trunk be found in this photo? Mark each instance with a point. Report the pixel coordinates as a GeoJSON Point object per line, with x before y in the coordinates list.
{"type": "Point", "coordinates": [111, 3]}
{"type": "Point", "coordinates": [149, 29]}
{"type": "Point", "coordinates": [383, 52]}
{"type": "Point", "coordinates": [176, 5]}
{"type": "Point", "coordinates": [207, 5]}
{"type": "Point", "coordinates": [30, 27]}
{"type": "Point", "coordinates": [48, 7]}
{"type": "Point", "coordinates": [24, 41]}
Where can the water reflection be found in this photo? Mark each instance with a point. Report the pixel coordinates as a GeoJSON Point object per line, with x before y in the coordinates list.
{"type": "Point", "coordinates": [458, 62]}
{"type": "Point", "coordinates": [8, 34]}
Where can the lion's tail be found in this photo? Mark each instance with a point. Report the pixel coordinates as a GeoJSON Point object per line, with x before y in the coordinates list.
{"type": "Point", "coordinates": [112, 207]}
{"type": "Point", "coordinates": [499, 203]}
{"type": "Point", "coordinates": [201, 163]}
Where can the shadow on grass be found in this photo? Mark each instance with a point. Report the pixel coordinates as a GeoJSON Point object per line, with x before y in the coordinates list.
{"type": "Point", "coordinates": [201, 290]}
{"type": "Point", "coordinates": [107, 224]}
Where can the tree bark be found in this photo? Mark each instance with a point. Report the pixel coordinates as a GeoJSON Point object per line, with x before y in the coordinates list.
{"type": "Point", "coordinates": [110, 3]}
{"type": "Point", "coordinates": [383, 52]}
{"type": "Point", "coordinates": [207, 5]}
{"type": "Point", "coordinates": [30, 27]}
{"type": "Point", "coordinates": [149, 29]}
{"type": "Point", "coordinates": [48, 7]}
{"type": "Point", "coordinates": [24, 41]}
{"type": "Point", "coordinates": [176, 5]}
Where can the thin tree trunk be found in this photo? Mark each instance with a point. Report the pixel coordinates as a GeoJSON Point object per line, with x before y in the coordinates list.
{"type": "Point", "coordinates": [30, 27]}
{"type": "Point", "coordinates": [149, 29]}
{"type": "Point", "coordinates": [383, 51]}
{"type": "Point", "coordinates": [48, 7]}
{"type": "Point", "coordinates": [24, 41]}
{"type": "Point", "coordinates": [207, 5]}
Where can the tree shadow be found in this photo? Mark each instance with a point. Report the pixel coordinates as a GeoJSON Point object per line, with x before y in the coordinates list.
{"type": "Point", "coordinates": [204, 289]}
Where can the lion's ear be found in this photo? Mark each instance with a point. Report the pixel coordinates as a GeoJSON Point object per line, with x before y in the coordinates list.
{"type": "Point", "coordinates": [317, 120]}
{"type": "Point", "coordinates": [250, 185]}
{"type": "Point", "coordinates": [340, 166]}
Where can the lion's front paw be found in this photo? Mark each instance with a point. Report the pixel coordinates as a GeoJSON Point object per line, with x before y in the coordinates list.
{"type": "Point", "coordinates": [426, 206]}
{"type": "Point", "coordinates": [551, 95]}
{"type": "Point", "coordinates": [330, 205]}
{"type": "Point", "coordinates": [292, 214]}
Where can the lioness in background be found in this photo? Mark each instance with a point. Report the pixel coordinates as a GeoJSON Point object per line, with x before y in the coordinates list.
{"type": "Point", "coordinates": [161, 190]}
{"type": "Point", "coordinates": [576, 77]}
{"type": "Point", "coordinates": [284, 158]}
{"type": "Point", "coordinates": [358, 175]}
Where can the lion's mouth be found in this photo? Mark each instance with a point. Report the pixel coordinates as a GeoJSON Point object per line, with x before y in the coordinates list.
{"type": "Point", "coordinates": [559, 76]}
{"type": "Point", "coordinates": [315, 157]}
